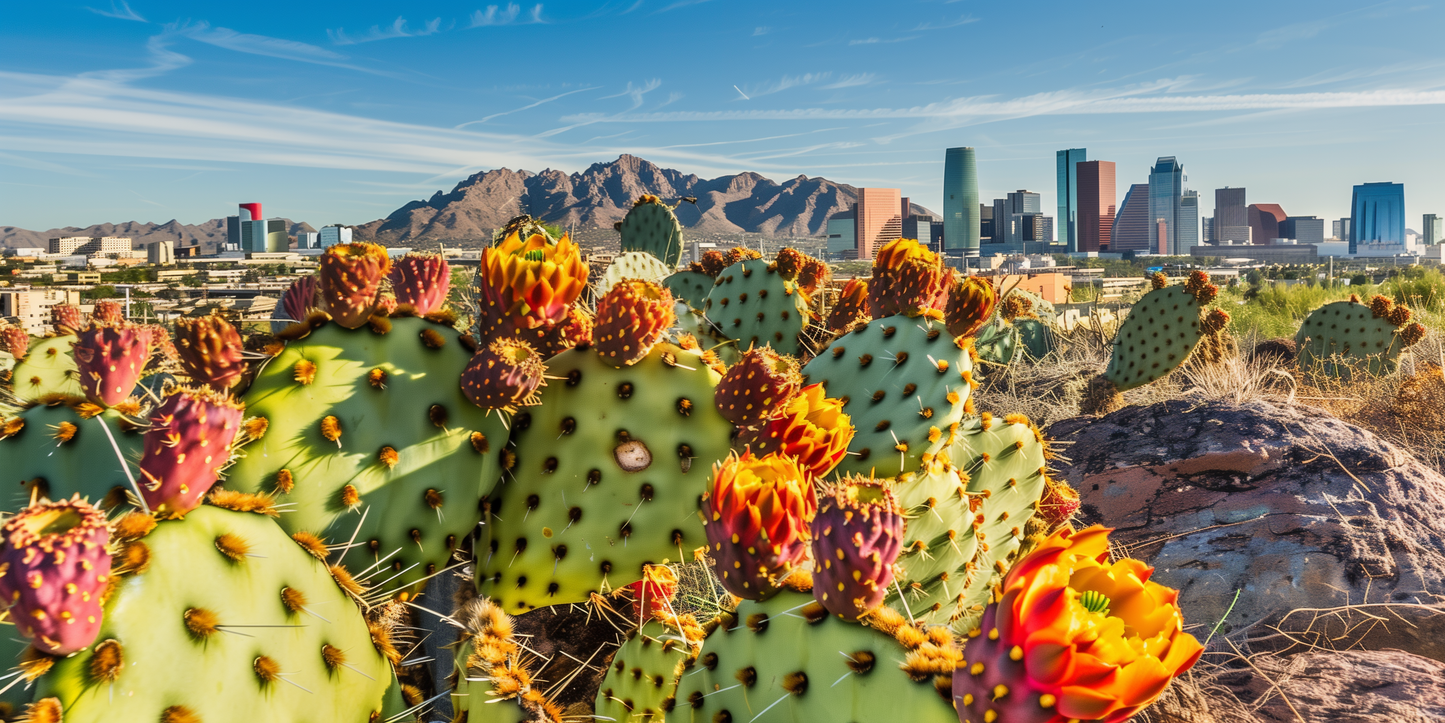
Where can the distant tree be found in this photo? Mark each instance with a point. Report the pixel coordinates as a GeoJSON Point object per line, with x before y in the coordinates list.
{"type": "Point", "coordinates": [98, 292]}
{"type": "Point", "coordinates": [1359, 280]}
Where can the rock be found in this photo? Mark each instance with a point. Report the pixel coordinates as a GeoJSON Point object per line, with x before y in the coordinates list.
{"type": "Point", "coordinates": [1355, 686]}
{"type": "Point", "coordinates": [1297, 512]}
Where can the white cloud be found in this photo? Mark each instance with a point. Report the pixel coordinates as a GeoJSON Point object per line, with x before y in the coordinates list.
{"type": "Point", "coordinates": [397, 29]}
{"type": "Point", "coordinates": [784, 83]}
{"type": "Point", "coordinates": [636, 93]}
{"type": "Point", "coordinates": [945, 24]}
{"type": "Point", "coordinates": [851, 81]}
{"type": "Point", "coordinates": [119, 11]}
{"type": "Point", "coordinates": [682, 4]}
{"type": "Point", "coordinates": [881, 41]}
{"type": "Point", "coordinates": [761, 30]}
{"type": "Point", "coordinates": [511, 14]}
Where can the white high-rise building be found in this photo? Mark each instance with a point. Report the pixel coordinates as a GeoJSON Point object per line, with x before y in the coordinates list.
{"type": "Point", "coordinates": [332, 235]}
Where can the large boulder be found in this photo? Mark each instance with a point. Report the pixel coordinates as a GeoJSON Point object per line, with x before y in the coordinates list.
{"type": "Point", "coordinates": [1327, 534]}
{"type": "Point", "coordinates": [1353, 686]}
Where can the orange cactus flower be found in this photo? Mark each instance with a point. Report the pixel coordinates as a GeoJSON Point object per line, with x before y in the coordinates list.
{"type": "Point", "coordinates": [1073, 636]}
{"type": "Point", "coordinates": [527, 284]}
{"type": "Point", "coordinates": [907, 279]}
{"type": "Point", "coordinates": [811, 428]}
{"type": "Point", "coordinates": [852, 305]}
{"type": "Point", "coordinates": [970, 305]}
{"type": "Point", "coordinates": [757, 515]}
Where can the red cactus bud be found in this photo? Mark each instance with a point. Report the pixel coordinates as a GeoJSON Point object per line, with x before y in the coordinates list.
{"type": "Point", "coordinates": [852, 305]}
{"type": "Point", "coordinates": [189, 441]}
{"type": "Point", "coordinates": [1380, 306]}
{"type": "Point", "coordinates": [790, 262]}
{"type": "Point", "coordinates": [907, 279]}
{"type": "Point", "coordinates": [210, 351]}
{"type": "Point", "coordinates": [505, 375]}
{"type": "Point", "coordinates": [757, 513]}
{"type": "Point", "coordinates": [55, 569]}
{"type": "Point", "coordinates": [422, 281]}
{"type": "Point", "coordinates": [15, 340]}
{"type": "Point", "coordinates": [300, 298]}
{"type": "Point", "coordinates": [573, 331]}
{"type": "Point", "coordinates": [630, 320]}
{"type": "Point", "coordinates": [111, 358]}
{"type": "Point", "coordinates": [814, 275]}
{"type": "Point", "coordinates": [385, 305]}
{"type": "Point", "coordinates": [1412, 334]}
{"type": "Point", "coordinates": [65, 318]}
{"type": "Point", "coordinates": [1215, 321]}
{"type": "Point", "coordinates": [757, 386]}
{"type": "Point", "coordinates": [1058, 505]}
{"type": "Point", "coordinates": [739, 253]}
{"type": "Point", "coordinates": [1158, 280]}
{"type": "Point", "coordinates": [350, 278]}
{"type": "Point", "coordinates": [713, 263]}
{"type": "Point", "coordinates": [970, 305]}
{"type": "Point", "coordinates": [857, 535]}
{"type": "Point", "coordinates": [108, 312]}
{"type": "Point", "coordinates": [653, 594]}
{"type": "Point", "coordinates": [810, 428]}
{"type": "Point", "coordinates": [1399, 316]}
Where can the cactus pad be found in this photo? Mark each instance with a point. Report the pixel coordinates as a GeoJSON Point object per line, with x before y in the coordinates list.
{"type": "Point", "coordinates": [48, 368]}
{"type": "Point", "coordinates": [633, 265]}
{"type": "Point", "coordinates": [752, 303]}
{"type": "Point", "coordinates": [1158, 336]}
{"type": "Point", "coordinates": [690, 286]}
{"type": "Point", "coordinates": [59, 450]}
{"type": "Point", "coordinates": [644, 673]}
{"type": "Point", "coordinates": [1344, 337]}
{"type": "Point", "coordinates": [653, 228]}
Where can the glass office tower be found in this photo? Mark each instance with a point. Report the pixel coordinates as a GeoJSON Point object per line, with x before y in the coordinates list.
{"type": "Point", "coordinates": [960, 201]}
{"type": "Point", "coordinates": [1377, 215]}
{"type": "Point", "coordinates": [1068, 179]}
{"type": "Point", "coordinates": [1166, 187]}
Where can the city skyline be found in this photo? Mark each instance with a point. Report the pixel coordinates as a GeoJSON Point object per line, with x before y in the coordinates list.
{"type": "Point", "coordinates": [146, 111]}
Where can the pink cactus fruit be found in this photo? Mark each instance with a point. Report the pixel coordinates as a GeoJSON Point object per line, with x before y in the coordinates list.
{"type": "Point", "coordinates": [65, 318]}
{"type": "Point", "coordinates": [504, 376]}
{"type": "Point", "coordinates": [189, 441]}
{"type": "Point", "coordinates": [15, 340]}
{"type": "Point", "coordinates": [108, 311]}
{"type": "Point", "coordinates": [422, 281]}
{"type": "Point", "coordinates": [55, 568]}
{"type": "Point", "coordinates": [111, 358]}
{"type": "Point", "coordinates": [210, 351]}
{"type": "Point", "coordinates": [299, 299]}
{"type": "Point", "coordinates": [350, 277]}
{"type": "Point", "coordinates": [857, 535]}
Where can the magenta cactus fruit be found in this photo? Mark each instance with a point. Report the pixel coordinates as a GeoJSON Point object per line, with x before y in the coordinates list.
{"type": "Point", "coordinates": [350, 277]}
{"type": "Point", "coordinates": [189, 441]}
{"type": "Point", "coordinates": [107, 311]}
{"type": "Point", "coordinates": [758, 385]}
{"type": "Point", "coordinates": [55, 569]}
{"type": "Point", "coordinates": [110, 358]}
{"type": "Point", "coordinates": [421, 281]}
{"type": "Point", "coordinates": [65, 318]}
{"type": "Point", "coordinates": [504, 376]}
{"type": "Point", "coordinates": [15, 340]}
{"type": "Point", "coordinates": [299, 299]}
{"type": "Point", "coordinates": [210, 351]}
{"type": "Point", "coordinates": [857, 535]}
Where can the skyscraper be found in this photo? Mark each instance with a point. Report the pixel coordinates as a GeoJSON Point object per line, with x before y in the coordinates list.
{"type": "Point", "coordinates": [1094, 225]}
{"type": "Point", "coordinates": [1432, 229]}
{"type": "Point", "coordinates": [1304, 229]}
{"type": "Point", "coordinates": [1377, 215]}
{"type": "Point", "coordinates": [1264, 221]}
{"type": "Point", "coordinates": [960, 201]}
{"type": "Point", "coordinates": [878, 220]}
{"type": "Point", "coordinates": [1132, 225]}
{"type": "Point", "coordinates": [1067, 163]}
{"type": "Point", "coordinates": [1166, 187]}
{"type": "Point", "coordinates": [1231, 218]}
{"type": "Point", "coordinates": [1186, 235]}
{"type": "Point", "coordinates": [1025, 201]}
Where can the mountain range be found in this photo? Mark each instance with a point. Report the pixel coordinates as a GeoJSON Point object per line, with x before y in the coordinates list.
{"type": "Point", "coordinates": [591, 200]}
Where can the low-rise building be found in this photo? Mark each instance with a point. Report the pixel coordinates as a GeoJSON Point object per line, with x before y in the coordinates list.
{"type": "Point", "coordinates": [31, 307]}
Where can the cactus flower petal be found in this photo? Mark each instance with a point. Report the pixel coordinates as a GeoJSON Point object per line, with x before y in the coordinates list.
{"type": "Point", "coordinates": [421, 281]}
{"type": "Point", "coordinates": [757, 515]}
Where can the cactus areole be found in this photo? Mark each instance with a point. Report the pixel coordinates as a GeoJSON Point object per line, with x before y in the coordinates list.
{"type": "Point", "coordinates": [55, 569]}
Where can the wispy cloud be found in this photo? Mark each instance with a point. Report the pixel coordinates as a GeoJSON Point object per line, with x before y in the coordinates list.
{"type": "Point", "coordinates": [851, 81]}
{"type": "Point", "coordinates": [761, 30]}
{"type": "Point", "coordinates": [265, 46]}
{"type": "Point", "coordinates": [119, 11]}
{"type": "Point", "coordinates": [681, 4]}
{"type": "Point", "coordinates": [511, 14]}
{"type": "Point", "coordinates": [782, 84]}
{"type": "Point", "coordinates": [636, 92]}
{"type": "Point", "coordinates": [945, 24]}
{"type": "Point", "coordinates": [878, 41]}
{"type": "Point", "coordinates": [397, 29]}
{"type": "Point", "coordinates": [529, 106]}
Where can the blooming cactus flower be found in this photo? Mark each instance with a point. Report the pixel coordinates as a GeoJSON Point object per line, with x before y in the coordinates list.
{"type": "Point", "coordinates": [756, 515]}
{"type": "Point", "coordinates": [630, 320]}
{"type": "Point", "coordinates": [653, 594]}
{"type": "Point", "coordinates": [1073, 637]}
{"type": "Point", "coordinates": [187, 445]}
{"type": "Point", "coordinates": [528, 283]}
{"type": "Point", "coordinates": [14, 340]}
{"type": "Point", "coordinates": [810, 428]}
{"type": "Point", "coordinates": [299, 299]}
{"type": "Point", "coordinates": [857, 535]}
{"type": "Point", "coordinates": [53, 571]}
{"type": "Point", "coordinates": [907, 279]}
{"type": "Point", "coordinates": [350, 279]}
{"type": "Point", "coordinates": [970, 305]}
{"type": "Point", "coordinates": [422, 281]}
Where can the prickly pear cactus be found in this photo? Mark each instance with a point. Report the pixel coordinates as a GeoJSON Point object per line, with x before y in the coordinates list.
{"type": "Point", "coordinates": [644, 673]}
{"type": "Point", "coordinates": [652, 227]}
{"type": "Point", "coordinates": [633, 265]}
{"type": "Point", "coordinates": [1346, 337]}
{"type": "Point", "coordinates": [752, 303]}
{"type": "Point", "coordinates": [967, 508]}
{"type": "Point", "coordinates": [369, 434]}
{"type": "Point", "coordinates": [690, 286]}
{"type": "Point", "coordinates": [786, 660]}
{"type": "Point", "coordinates": [55, 451]}
{"type": "Point", "coordinates": [49, 368]}
{"type": "Point", "coordinates": [607, 476]}
{"type": "Point", "coordinates": [997, 342]}
{"type": "Point", "coordinates": [494, 680]}
{"type": "Point", "coordinates": [222, 596]}
{"type": "Point", "coordinates": [1036, 337]}
{"type": "Point", "coordinates": [1157, 336]}
{"type": "Point", "coordinates": [905, 381]}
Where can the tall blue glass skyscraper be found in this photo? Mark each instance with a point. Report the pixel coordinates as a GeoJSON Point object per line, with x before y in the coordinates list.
{"type": "Point", "coordinates": [1377, 215]}
{"type": "Point", "coordinates": [1166, 188]}
{"type": "Point", "coordinates": [960, 201]}
{"type": "Point", "coordinates": [1068, 175]}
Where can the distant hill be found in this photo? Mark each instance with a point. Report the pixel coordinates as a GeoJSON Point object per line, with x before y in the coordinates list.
{"type": "Point", "coordinates": [593, 199]}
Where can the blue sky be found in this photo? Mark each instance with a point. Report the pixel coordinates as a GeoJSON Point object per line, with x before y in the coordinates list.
{"type": "Point", "coordinates": [341, 112]}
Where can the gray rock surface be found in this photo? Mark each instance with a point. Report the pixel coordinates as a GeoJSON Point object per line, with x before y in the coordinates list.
{"type": "Point", "coordinates": [1287, 507]}
{"type": "Point", "coordinates": [1356, 686]}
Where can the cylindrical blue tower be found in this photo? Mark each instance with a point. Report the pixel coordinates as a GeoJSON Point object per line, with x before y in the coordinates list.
{"type": "Point", "coordinates": [960, 202]}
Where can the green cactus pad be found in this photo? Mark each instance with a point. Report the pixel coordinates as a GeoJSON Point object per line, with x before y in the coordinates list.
{"type": "Point", "coordinates": [1037, 337]}
{"type": "Point", "coordinates": [170, 660]}
{"type": "Point", "coordinates": [633, 265]}
{"type": "Point", "coordinates": [48, 368]}
{"type": "Point", "coordinates": [569, 519]}
{"type": "Point", "coordinates": [446, 451]}
{"type": "Point", "coordinates": [87, 464]}
{"type": "Point", "coordinates": [1343, 337]}
{"type": "Point", "coordinates": [897, 361]}
{"type": "Point", "coordinates": [652, 227]}
{"type": "Point", "coordinates": [644, 673]}
{"type": "Point", "coordinates": [751, 303]}
{"type": "Point", "coordinates": [1157, 336]}
{"type": "Point", "coordinates": [782, 661]}
{"type": "Point", "coordinates": [689, 286]}
{"type": "Point", "coordinates": [997, 342]}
